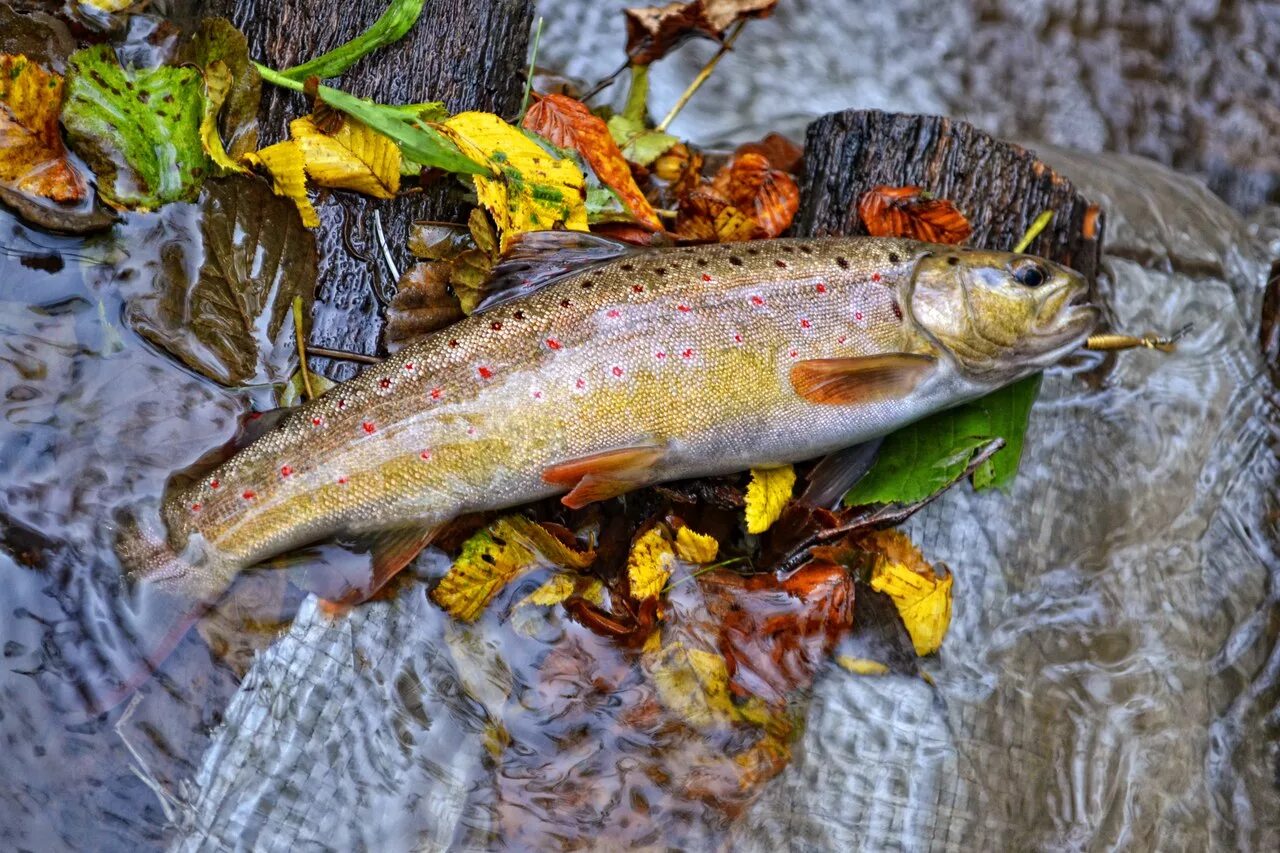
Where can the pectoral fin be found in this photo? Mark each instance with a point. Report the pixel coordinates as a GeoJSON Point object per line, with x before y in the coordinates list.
{"type": "Point", "coordinates": [601, 476]}
{"type": "Point", "coordinates": [869, 378]}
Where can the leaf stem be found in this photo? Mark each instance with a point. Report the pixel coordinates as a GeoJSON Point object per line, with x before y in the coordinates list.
{"type": "Point", "coordinates": [302, 346]}
{"type": "Point", "coordinates": [344, 355]}
{"type": "Point", "coordinates": [701, 78]}
{"type": "Point", "coordinates": [528, 79]}
{"type": "Point", "coordinates": [1040, 223]}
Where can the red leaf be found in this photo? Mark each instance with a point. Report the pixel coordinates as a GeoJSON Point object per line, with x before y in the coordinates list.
{"type": "Point", "coordinates": [913, 213]}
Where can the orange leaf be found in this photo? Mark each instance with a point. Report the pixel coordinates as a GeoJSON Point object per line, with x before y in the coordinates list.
{"type": "Point", "coordinates": [781, 152]}
{"type": "Point", "coordinates": [567, 123]}
{"type": "Point", "coordinates": [768, 195]}
{"type": "Point", "coordinates": [913, 213]}
{"type": "Point", "coordinates": [705, 215]}
{"type": "Point", "coordinates": [33, 159]}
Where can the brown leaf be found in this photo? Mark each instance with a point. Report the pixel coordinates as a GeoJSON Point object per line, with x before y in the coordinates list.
{"type": "Point", "coordinates": [567, 123]}
{"type": "Point", "coordinates": [748, 199]}
{"type": "Point", "coordinates": [33, 159]}
{"type": "Point", "coordinates": [654, 31]}
{"type": "Point", "coordinates": [781, 152]}
{"type": "Point", "coordinates": [422, 304]}
{"type": "Point", "coordinates": [913, 213]}
{"type": "Point", "coordinates": [705, 215]}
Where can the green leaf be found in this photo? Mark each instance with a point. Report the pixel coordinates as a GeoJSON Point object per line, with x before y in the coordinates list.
{"type": "Point", "coordinates": [139, 129]}
{"type": "Point", "coordinates": [419, 143]}
{"type": "Point", "coordinates": [639, 144]}
{"type": "Point", "coordinates": [217, 40]}
{"type": "Point", "coordinates": [232, 321]}
{"type": "Point", "coordinates": [400, 16]}
{"type": "Point", "coordinates": [929, 455]}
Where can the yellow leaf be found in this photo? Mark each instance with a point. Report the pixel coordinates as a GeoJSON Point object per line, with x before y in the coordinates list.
{"type": "Point", "coordinates": [355, 158]}
{"type": "Point", "coordinates": [495, 556]}
{"type": "Point", "coordinates": [562, 585]}
{"type": "Point", "coordinates": [284, 162]}
{"type": "Point", "coordinates": [33, 159]}
{"type": "Point", "coordinates": [693, 683]}
{"type": "Point", "coordinates": [767, 494]}
{"type": "Point", "coordinates": [696, 547]}
{"type": "Point", "coordinates": [531, 189]}
{"type": "Point", "coordinates": [922, 597]}
{"type": "Point", "coordinates": [862, 666]}
{"type": "Point", "coordinates": [109, 5]}
{"type": "Point", "coordinates": [217, 83]}
{"type": "Point", "coordinates": [649, 563]}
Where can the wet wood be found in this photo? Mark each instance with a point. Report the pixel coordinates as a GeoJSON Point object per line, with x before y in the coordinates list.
{"type": "Point", "coordinates": [999, 186]}
{"type": "Point", "coordinates": [470, 54]}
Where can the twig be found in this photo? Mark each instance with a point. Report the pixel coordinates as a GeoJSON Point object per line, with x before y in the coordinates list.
{"type": "Point", "coordinates": [1038, 224]}
{"type": "Point", "coordinates": [168, 802]}
{"type": "Point", "coordinates": [344, 355]}
{"type": "Point", "coordinates": [528, 80]}
{"type": "Point", "coordinates": [701, 78]}
{"type": "Point", "coordinates": [885, 516]}
{"type": "Point", "coordinates": [382, 242]}
{"type": "Point", "coordinates": [302, 346]}
{"type": "Point", "coordinates": [606, 81]}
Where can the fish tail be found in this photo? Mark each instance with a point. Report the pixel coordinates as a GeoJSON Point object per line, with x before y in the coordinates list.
{"type": "Point", "coordinates": [149, 559]}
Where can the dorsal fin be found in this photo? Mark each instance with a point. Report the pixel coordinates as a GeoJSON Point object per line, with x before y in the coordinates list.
{"type": "Point", "coordinates": [537, 258]}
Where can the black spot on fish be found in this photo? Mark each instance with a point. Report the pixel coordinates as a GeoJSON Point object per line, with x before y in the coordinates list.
{"type": "Point", "coordinates": [453, 342]}
{"type": "Point", "coordinates": [780, 264]}
{"type": "Point", "coordinates": [952, 260]}
{"type": "Point", "coordinates": [519, 315]}
{"type": "Point", "coordinates": [627, 267]}
{"type": "Point", "coordinates": [735, 260]}
{"type": "Point", "coordinates": [808, 250]}
{"type": "Point", "coordinates": [897, 309]}
{"type": "Point", "coordinates": [702, 262]}
{"type": "Point", "coordinates": [565, 303]}
{"type": "Point", "coordinates": [588, 284]}
{"type": "Point", "coordinates": [842, 262]}
{"type": "Point", "coordinates": [659, 270]}
{"type": "Point", "coordinates": [893, 257]}
{"type": "Point", "coordinates": [752, 250]}
{"type": "Point", "coordinates": [788, 249]}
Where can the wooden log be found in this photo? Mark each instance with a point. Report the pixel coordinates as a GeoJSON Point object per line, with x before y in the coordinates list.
{"type": "Point", "coordinates": [999, 186]}
{"type": "Point", "coordinates": [470, 54]}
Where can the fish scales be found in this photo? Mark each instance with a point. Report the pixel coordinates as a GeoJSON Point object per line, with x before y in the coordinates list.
{"type": "Point", "coordinates": [688, 351]}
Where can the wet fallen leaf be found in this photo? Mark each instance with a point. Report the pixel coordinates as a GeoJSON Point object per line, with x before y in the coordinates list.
{"type": "Point", "coordinates": [495, 556]}
{"type": "Point", "coordinates": [532, 189]}
{"type": "Point", "coordinates": [283, 162]}
{"type": "Point", "coordinates": [921, 593]}
{"type": "Point", "coordinates": [695, 547]}
{"type": "Point", "coordinates": [654, 31]}
{"type": "Point", "coordinates": [769, 196]}
{"type": "Point", "coordinates": [861, 666]}
{"type": "Point", "coordinates": [650, 562]}
{"type": "Point", "coordinates": [216, 41]}
{"type": "Point", "coordinates": [354, 157]}
{"type": "Point", "coordinates": [217, 83]}
{"type": "Point", "coordinates": [253, 258]}
{"type": "Point", "coordinates": [767, 494]}
{"type": "Point", "coordinates": [562, 585]}
{"type": "Point", "coordinates": [397, 20]}
{"type": "Point", "coordinates": [139, 129]}
{"type": "Point", "coordinates": [693, 683]}
{"type": "Point", "coordinates": [33, 159]}
{"type": "Point", "coordinates": [705, 215]}
{"type": "Point", "coordinates": [640, 143]}
{"type": "Point", "coordinates": [569, 124]}
{"type": "Point", "coordinates": [294, 392]}
{"type": "Point", "coordinates": [681, 167]}
{"type": "Point", "coordinates": [438, 241]}
{"type": "Point", "coordinates": [780, 151]}
{"type": "Point", "coordinates": [422, 304]}
{"type": "Point", "coordinates": [913, 213]}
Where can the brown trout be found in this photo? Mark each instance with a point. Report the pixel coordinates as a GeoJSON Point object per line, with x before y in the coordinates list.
{"type": "Point", "coordinates": [626, 368]}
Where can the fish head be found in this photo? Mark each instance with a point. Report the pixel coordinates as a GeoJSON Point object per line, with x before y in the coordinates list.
{"type": "Point", "coordinates": [1000, 315]}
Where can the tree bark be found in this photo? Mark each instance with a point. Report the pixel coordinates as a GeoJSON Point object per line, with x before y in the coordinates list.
{"type": "Point", "coordinates": [999, 186]}
{"type": "Point", "coordinates": [470, 54]}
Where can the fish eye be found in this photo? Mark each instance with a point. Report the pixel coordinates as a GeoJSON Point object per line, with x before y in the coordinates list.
{"type": "Point", "coordinates": [1030, 274]}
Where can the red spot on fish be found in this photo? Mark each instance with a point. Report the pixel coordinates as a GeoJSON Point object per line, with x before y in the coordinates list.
{"type": "Point", "coordinates": [453, 342]}
{"type": "Point", "coordinates": [425, 455]}
{"type": "Point", "coordinates": [248, 495]}
{"type": "Point", "coordinates": [793, 353]}
{"type": "Point", "coordinates": [840, 339]}
{"type": "Point", "coordinates": [471, 430]}
{"type": "Point", "coordinates": [342, 404]}
{"type": "Point", "coordinates": [581, 383]}
{"type": "Point", "coordinates": [553, 343]}
{"type": "Point", "coordinates": [659, 354]}
{"type": "Point", "coordinates": [537, 395]}
{"type": "Point", "coordinates": [368, 427]}
{"type": "Point", "coordinates": [408, 365]}
{"type": "Point", "coordinates": [285, 470]}
{"type": "Point", "coordinates": [496, 325]}
{"type": "Point", "coordinates": [195, 507]}
{"type": "Point", "coordinates": [757, 300]}
{"type": "Point", "coordinates": [638, 288]}
{"type": "Point", "coordinates": [687, 354]}
{"type": "Point", "coordinates": [317, 421]}
{"type": "Point", "coordinates": [706, 276]}
{"type": "Point", "coordinates": [857, 315]}
{"type": "Point", "coordinates": [485, 373]}
{"type": "Point", "coordinates": [821, 288]}
{"type": "Point", "coordinates": [384, 383]}
{"type": "Point", "coordinates": [805, 324]}
{"type": "Point", "coordinates": [214, 483]}
{"type": "Point", "coordinates": [617, 371]}
{"type": "Point", "coordinates": [437, 393]}
{"type": "Point", "coordinates": [684, 307]}
{"type": "Point", "coordinates": [614, 314]}
{"type": "Point", "coordinates": [342, 481]}
{"type": "Point", "coordinates": [737, 339]}
{"type": "Point", "coordinates": [875, 276]}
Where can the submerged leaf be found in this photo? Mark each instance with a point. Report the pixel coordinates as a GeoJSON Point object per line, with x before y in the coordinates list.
{"type": "Point", "coordinates": [649, 562]}
{"type": "Point", "coordinates": [767, 494]}
{"type": "Point", "coordinates": [283, 161]}
{"type": "Point", "coordinates": [912, 213]}
{"type": "Point", "coordinates": [217, 83]}
{"type": "Point", "coordinates": [139, 129]}
{"type": "Point", "coordinates": [217, 41]}
{"type": "Point", "coordinates": [533, 190]}
{"type": "Point", "coordinates": [32, 157]}
{"type": "Point", "coordinates": [568, 123]}
{"type": "Point", "coordinates": [495, 556]}
{"type": "Point", "coordinates": [929, 455]}
{"type": "Point", "coordinates": [232, 323]}
{"type": "Point", "coordinates": [693, 683]}
{"type": "Point", "coordinates": [921, 594]}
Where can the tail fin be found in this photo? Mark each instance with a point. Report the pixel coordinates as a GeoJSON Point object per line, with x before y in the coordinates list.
{"type": "Point", "coordinates": [149, 559]}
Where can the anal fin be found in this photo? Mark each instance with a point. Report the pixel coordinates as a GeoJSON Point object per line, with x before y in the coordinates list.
{"type": "Point", "coordinates": [601, 476]}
